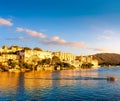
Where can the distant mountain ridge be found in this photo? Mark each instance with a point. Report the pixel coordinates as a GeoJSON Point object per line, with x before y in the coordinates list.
{"type": "Point", "coordinates": [107, 58]}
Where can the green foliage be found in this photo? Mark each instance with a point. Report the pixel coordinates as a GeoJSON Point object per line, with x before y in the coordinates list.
{"type": "Point", "coordinates": [64, 65]}
{"type": "Point", "coordinates": [86, 65]}
{"type": "Point", "coordinates": [39, 62]}
{"type": "Point", "coordinates": [22, 64]}
{"type": "Point", "coordinates": [46, 61]}
{"type": "Point", "coordinates": [27, 48]}
{"type": "Point", "coordinates": [11, 53]}
{"type": "Point", "coordinates": [3, 47]}
{"type": "Point", "coordinates": [14, 47]}
{"type": "Point", "coordinates": [55, 59]}
{"type": "Point", "coordinates": [37, 48]}
{"type": "Point", "coordinates": [27, 66]}
{"type": "Point", "coordinates": [11, 63]}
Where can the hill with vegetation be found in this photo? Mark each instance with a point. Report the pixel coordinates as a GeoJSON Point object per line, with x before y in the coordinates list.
{"type": "Point", "coordinates": [107, 58]}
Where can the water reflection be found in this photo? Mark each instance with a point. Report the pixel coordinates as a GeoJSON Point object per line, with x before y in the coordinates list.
{"type": "Point", "coordinates": [10, 85]}
{"type": "Point", "coordinates": [66, 77]}
{"type": "Point", "coordinates": [39, 80]}
{"type": "Point", "coordinates": [71, 77]}
{"type": "Point", "coordinates": [10, 81]}
{"type": "Point", "coordinates": [90, 78]}
{"type": "Point", "coordinates": [33, 81]}
{"type": "Point", "coordinates": [46, 84]}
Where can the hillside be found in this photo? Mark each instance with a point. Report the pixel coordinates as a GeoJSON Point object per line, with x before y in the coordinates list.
{"type": "Point", "coordinates": [107, 58]}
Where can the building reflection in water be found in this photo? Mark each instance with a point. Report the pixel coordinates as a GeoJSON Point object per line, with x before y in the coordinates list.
{"type": "Point", "coordinates": [66, 78]}
{"type": "Point", "coordinates": [38, 80]}
{"type": "Point", "coordinates": [39, 83]}
{"type": "Point", "coordinates": [9, 84]}
{"type": "Point", "coordinates": [9, 80]}
{"type": "Point", "coordinates": [44, 79]}
{"type": "Point", "coordinates": [90, 76]}
{"type": "Point", "coordinates": [72, 77]}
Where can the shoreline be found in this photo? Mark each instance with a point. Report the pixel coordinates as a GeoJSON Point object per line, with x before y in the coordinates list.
{"type": "Point", "coordinates": [51, 70]}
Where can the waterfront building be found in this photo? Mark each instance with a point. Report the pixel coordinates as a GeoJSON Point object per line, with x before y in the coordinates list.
{"type": "Point", "coordinates": [5, 49]}
{"type": "Point", "coordinates": [17, 53]}
{"type": "Point", "coordinates": [88, 59]}
{"type": "Point", "coordinates": [6, 57]}
{"type": "Point", "coordinates": [15, 48]}
{"type": "Point", "coordinates": [95, 63]}
{"type": "Point", "coordinates": [40, 54]}
{"type": "Point", "coordinates": [64, 56]}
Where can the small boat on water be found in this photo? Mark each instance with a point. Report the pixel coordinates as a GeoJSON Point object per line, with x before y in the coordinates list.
{"type": "Point", "coordinates": [112, 79]}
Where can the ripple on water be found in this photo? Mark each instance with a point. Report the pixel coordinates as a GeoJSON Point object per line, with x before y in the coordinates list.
{"type": "Point", "coordinates": [61, 85]}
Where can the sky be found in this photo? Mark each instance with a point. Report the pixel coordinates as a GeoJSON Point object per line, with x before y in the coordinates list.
{"type": "Point", "coordinates": [80, 27]}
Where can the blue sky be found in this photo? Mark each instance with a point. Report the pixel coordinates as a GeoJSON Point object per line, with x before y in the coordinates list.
{"type": "Point", "coordinates": [78, 26]}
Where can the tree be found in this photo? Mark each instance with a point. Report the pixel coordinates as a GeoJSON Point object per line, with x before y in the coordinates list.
{"type": "Point", "coordinates": [86, 65]}
{"type": "Point", "coordinates": [14, 47]}
{"type": "Point", "coordinates": [11, 63]}
{"type": "Point", "coordinates": [27, 48]}
{"type": "Point", "coordinates": [37, 48]}
{"type": "Point", "coordinates": [46, 61]}
{"type": "Point", "coordinates": [4, 47]}
{"type": "Point", "coordinates": [55, 59]}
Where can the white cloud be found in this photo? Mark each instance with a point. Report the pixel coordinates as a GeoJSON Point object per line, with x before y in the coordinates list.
{"type": "Point", "coordinates": [107, 34]}
{"type": "Point", "coordinates": [30, 32]}
{"type": "Point", "coordinates": [5, 22]}
{"type": "Point", "coordinates": [77, 44]}
{"type": "Point", "coordinates": [34, 33]}
{"type": "Point", "coordinates": [57, 41]}
{"type": "Point", "coordinates": [19, 38]}
{"type": "Point", "coordinates": [101, 49]}
{"type": "Point", "coordinates": [18, 29]}
{"type": "Point", "coordinates": [54, 41]}
{"type": "Point", "coordinates": [105, 37]}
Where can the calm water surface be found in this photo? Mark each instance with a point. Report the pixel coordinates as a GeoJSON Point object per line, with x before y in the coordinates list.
{"type": "Point", "coordinates": [66, 85]}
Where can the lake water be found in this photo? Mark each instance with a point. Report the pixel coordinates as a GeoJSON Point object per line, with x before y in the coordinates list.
{"type": "Point", "coordinates": [65, 85]}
